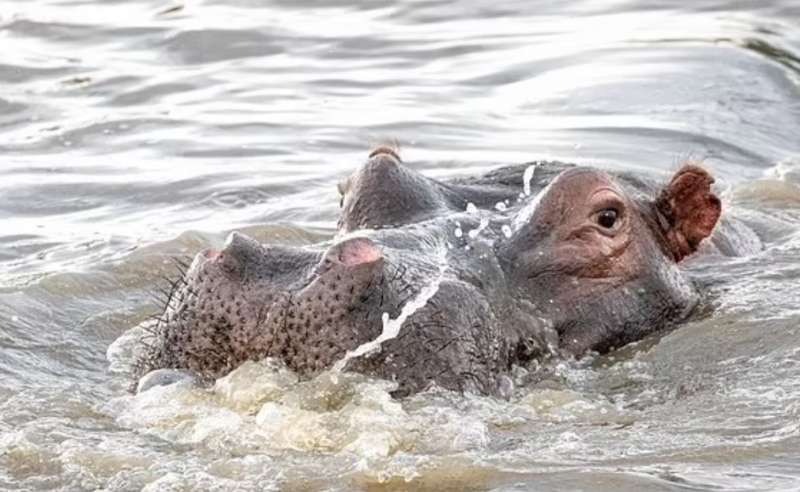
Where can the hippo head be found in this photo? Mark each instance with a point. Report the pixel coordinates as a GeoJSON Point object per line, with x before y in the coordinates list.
{"type": "Point", "coordinates": [589, 262]}
{"type": "Point", "coordinates": [598, 254]}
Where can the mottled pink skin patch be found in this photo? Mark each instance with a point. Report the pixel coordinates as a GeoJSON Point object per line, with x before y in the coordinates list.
{"type": "Point", "coordinates": [359, 251]}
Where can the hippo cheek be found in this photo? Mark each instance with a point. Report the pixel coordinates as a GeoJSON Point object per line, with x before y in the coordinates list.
{"type": "Point", "coordinates": [339, 310]}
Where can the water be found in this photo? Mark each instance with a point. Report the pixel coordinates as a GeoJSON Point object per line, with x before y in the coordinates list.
{"type": "Point", "coordinates": [134, 132]}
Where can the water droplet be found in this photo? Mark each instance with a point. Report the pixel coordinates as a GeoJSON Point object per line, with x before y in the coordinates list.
{"type": "Point", "coordinates": [458, 232]}
{"type": "Point", "coordinates": [483, 225]}
{"type": "Point", "coordinates": [506, 230]}
{"type": "Point", "coordinates": [527, 176]}
{"type": "Point", "coordinates": [471, 208]}
{"type": "Point", "coordinates": [500, 206]}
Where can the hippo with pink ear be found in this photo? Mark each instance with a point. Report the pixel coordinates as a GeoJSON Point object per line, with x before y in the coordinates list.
{"type": "Point", "coordinates": [583, 260]}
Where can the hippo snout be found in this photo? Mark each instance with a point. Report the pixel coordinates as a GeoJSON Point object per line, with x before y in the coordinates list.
{"type": "Point", "coordinates": [247, 301]}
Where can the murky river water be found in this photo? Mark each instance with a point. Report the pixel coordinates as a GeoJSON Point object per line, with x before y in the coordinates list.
{"type": "Point", "coordinates": [132, 132]}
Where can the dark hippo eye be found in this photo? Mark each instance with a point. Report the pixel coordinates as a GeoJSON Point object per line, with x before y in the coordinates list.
{"type": "Point", "coordinates": [607, 218]}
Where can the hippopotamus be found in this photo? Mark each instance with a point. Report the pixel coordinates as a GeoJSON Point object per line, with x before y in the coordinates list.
{"type": "Point", "coordinates": [454, 282]}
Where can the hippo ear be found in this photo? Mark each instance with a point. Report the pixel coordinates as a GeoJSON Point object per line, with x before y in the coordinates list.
{"type": "Point", "coordinates": [688, 210]}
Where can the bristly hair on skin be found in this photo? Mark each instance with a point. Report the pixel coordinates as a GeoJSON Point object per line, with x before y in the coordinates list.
{"type": "Point", "coordinates": [391, 148]}
{"type": "Point", "coordinates": [155, 324]}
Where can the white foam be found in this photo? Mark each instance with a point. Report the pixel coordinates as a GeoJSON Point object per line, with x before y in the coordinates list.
{"type": "Point", "coordinates": [127, 348]}
{"type": "Point", "coordinates": [787, 170]}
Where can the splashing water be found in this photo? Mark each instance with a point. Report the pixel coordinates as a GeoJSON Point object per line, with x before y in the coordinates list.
{"type": "Point", "coordinates": [391, 327]}
{"type": "Point", "coordinates": [524, 216]}
{"type": "Point", "coordinates": [484, 223]}
{"type": "Point", "coordinates": [527, 176]}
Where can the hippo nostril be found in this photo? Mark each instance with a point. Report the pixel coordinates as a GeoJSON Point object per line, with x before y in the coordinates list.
{"type": "Point", "coordinates": [235, 253]}
{"type": "Point", "coordinates": [357, 251]}
{"type": "Point", "coordinates": [210, 254]}
{"type": "Point", "coordinates": [343, 256]}
{"type": "Point", "coordinates": [239, 246]}
{"type": "Point", "coordinates": [236, 240]}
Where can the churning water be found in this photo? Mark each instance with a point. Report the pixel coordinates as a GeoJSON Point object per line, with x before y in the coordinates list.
{"type": "Point", "coordinates": [132, 132]}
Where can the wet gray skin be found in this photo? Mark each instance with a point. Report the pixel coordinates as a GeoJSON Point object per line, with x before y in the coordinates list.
{"type": "Point", "coordinates": [588, 262]}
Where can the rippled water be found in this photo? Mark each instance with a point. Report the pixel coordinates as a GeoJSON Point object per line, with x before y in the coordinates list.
{"type": "Point", "coordinates": [133, 132]}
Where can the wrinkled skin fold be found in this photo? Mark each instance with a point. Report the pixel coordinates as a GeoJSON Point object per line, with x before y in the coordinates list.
{"type": "Point", "coordinates": [588, 261]}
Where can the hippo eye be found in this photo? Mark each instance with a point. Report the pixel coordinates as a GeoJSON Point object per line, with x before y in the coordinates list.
{"type": "Point", "coordinates": [607, 218]}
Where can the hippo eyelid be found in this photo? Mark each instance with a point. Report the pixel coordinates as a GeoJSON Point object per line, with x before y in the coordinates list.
{"type": "Point", "coordinates": [607, 198]}
{"type": "Point", "coordinates": [616, 206]}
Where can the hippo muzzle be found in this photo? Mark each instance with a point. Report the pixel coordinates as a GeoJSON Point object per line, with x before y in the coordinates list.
{"type": "Point", "coordinates": [248, 301]}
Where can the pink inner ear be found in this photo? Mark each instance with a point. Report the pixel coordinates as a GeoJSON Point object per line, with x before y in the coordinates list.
{"type": "Point", "coordinates": [707, 215]}
{"type": "Point", "coordinates": [694, 208]}
{"type": "Point", "coordinates": [358, 251]}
